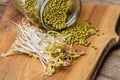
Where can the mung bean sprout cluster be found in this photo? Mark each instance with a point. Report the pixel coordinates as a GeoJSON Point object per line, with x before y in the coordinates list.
{"type": "Point", "coordinates": [53, 52]}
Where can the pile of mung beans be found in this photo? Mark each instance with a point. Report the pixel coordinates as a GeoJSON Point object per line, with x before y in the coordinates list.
{"type": "Point", "coordinates": [79, 33]}
{"type": "Point", "coordinates": [56, 13]}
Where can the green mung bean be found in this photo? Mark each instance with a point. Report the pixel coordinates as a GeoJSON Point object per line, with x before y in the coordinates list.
{"type": "Point", "coordinates": [29, 9]}
{"type": "Point", "coordinates": [94, 47]}
{"type": "Point", "coordinates": [79, 33]}
{"type": "Point", "coordinates": [55, 13]}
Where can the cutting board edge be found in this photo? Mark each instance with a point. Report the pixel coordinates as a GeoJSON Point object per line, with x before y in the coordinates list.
{"type": "Point", "coordinates": [114, 41]}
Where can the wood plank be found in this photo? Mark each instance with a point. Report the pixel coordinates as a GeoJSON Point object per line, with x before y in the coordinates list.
{"type": "Point", "coordinates": [117, 2]}
{"type": "Point", "coordinates": [2, 10]}
{"type": "Point", "coordinates": [103, 78]}
{"type": "Point", "coordinates": [4, 2]}
{"type": "Point", "coordinates": [22, 67]}
{"type": "Point", "coordinates": [92, 1]}
{"type": "Point", "coordinates": [111, 67]}
{"type": "Point", "coordinates": [116, 49]}
{"type": "Point", "coordinates": [108, 2]}
{"type": "Point", "coordinates": [102, 57]}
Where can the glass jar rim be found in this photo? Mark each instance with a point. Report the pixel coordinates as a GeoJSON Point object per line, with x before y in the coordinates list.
{"type": "Point", "coordinates": [69, 22]}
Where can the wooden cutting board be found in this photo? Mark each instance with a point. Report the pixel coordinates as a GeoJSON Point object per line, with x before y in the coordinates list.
{"type": "Point", "coordinates": [23, 67]}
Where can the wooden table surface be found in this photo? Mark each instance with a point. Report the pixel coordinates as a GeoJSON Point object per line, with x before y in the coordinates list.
{"type": "Point", "coordinates": [110, 69]}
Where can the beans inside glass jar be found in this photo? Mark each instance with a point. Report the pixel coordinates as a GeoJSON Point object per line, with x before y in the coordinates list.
{"type": "Point", "coordinates": [53, 14]}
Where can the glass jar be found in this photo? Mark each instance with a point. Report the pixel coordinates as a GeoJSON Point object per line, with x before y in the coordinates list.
{"type": "Point", "coordinates": [34, 10]}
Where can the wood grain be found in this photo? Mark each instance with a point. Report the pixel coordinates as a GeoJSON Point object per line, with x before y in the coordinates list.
{"type": "Point", "coordinates": [103, 78]}
{"type": "Point", "coordinates": [117, 2]}
{"type": "Point", "coordinates": [22, 67]}
{"type": "Point", "coordinates": [111, 67]}
{"type": "Point", "coordinates": [108, 2]}
{"type": "Point", "coordinates": [4, 2]}
{"type": "Point", "coordinates": [102, 74]}
{"type": "Point", "coordinates": [2, 9]}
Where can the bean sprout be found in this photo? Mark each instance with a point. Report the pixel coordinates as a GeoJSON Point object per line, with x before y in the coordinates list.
{"type": "Point", "coordinates": [50, 50]}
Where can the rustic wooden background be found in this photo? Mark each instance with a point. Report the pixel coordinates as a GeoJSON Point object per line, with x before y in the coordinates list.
{"type": "Point", "coordinates": [110, 69]}
{"type": "Point", "coordinates": [109, 2]}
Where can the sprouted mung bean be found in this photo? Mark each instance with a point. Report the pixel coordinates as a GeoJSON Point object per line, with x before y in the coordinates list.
{"type": "Point", "coordinates": [53, 52]}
